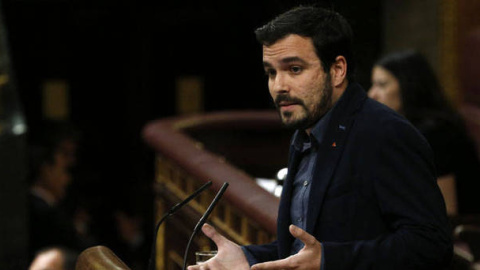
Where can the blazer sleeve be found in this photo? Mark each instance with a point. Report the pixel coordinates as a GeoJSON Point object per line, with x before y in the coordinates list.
{"type": "Point", "coordinates": [398, 165]}
{"type": "Point", "coordinates": [261, 253]}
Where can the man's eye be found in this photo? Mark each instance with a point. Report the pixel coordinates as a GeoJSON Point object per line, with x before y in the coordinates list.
{"type": "Point", "coordinates": [270, 72]}
{"type": "Point", "coordinates": [296, 69]}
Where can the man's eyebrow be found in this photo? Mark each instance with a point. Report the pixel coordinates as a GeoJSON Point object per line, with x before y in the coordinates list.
{"type": "Point", "coordinates": [293, 59]}
{"type": "Point", "coordinates": [286, 60]}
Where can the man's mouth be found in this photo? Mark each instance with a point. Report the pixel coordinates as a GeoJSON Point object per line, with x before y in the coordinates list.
{"type": "Point", "coordinates": [287, 104]}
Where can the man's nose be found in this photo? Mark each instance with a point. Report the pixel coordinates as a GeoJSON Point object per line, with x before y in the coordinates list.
{"type": "Point", "coordinates": [279, 84]}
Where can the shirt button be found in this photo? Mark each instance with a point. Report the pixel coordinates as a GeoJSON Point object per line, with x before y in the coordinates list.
{"type": "Point", "coordinates": [305, 183]}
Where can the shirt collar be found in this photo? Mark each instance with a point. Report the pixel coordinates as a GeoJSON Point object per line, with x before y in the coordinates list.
{"type": "Point", "coordinates": [300, 137]}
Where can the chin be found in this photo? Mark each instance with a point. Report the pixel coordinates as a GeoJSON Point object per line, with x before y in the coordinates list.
{"type": "Point", "coordinates": [295, 120]}
{"type": "Point", "coordinates": [296, 123]}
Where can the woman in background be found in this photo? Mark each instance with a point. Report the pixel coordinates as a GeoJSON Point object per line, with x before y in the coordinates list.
{"type": "Point", "coordinates": [405, 82]}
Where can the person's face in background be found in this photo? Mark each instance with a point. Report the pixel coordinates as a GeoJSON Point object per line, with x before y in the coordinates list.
{"type": "Point", "coordinates": [55, 177]}
{"type": "Point", "coordinates": [300, 88]}
{"type": "Point", "coordinates": [385, 88]}
{"type": "Point", "coordinates": [68, 148]}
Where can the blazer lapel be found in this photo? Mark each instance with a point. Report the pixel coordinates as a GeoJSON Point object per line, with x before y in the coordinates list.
{"type": "Point", "coordinates": [331, 148]}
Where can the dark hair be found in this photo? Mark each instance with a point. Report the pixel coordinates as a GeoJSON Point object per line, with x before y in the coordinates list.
{"type": "Point", "coordinates": [420, 90]}
{"type": "Point", "coordinates": [330, 32]}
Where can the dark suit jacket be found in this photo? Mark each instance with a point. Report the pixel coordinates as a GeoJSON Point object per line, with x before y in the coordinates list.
{"type": "Point", "coordinates": [49, 226]}
{"type": "Point", "coordinates": [374, 201]}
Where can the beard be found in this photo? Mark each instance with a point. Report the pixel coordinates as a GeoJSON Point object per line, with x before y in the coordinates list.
{"type": "Point", "coordinates": [309, 118]}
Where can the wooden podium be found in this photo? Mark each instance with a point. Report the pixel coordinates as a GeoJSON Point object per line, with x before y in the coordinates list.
{"type": "Point", "coordinates": [99, 258]}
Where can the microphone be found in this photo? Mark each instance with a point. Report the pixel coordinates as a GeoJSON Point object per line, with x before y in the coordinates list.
{"type": "Point", "coordinates": [151, 264]}
{"type": "Point", "coordinates": [202, 221]}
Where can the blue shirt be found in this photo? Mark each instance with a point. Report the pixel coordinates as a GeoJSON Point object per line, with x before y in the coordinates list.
{"type": "Point", "coordinates": [307, 146]}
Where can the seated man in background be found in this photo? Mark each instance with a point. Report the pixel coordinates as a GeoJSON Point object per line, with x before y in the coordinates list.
{"type": "Point", "coordinates": [49, 225]}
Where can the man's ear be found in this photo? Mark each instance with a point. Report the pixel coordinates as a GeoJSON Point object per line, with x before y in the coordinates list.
{"type": "Point", "coordinates": [338, 71]}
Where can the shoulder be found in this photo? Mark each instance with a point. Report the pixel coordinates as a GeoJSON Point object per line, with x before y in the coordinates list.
{"type": "Point", "coordinates": [380, 132]}
{"type": "Point", "coordinates": [378, 120]}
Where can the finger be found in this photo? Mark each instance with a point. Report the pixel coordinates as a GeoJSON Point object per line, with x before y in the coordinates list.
{"type": "Point", "coordinates": [279, 264]}
{"type": "Point", "coordinates": [306, 238]}
{"type": "Point", "coordinates": [211, 233]}
{"type": "Point", "coordinates": [202, 266]}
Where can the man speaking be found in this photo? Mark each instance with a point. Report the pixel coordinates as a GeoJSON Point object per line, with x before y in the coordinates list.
{"type": "Point", "coordinates": [361, 189]}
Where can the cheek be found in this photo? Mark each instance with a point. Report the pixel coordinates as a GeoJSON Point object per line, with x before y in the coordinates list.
{"type": "Point", "coordinates": [270, 89]}
{"type": "Point", "coordinates": [382, 96]}
{"type": "Point", "coordinates": [393, 95]}
{"type": "Point", "coordinates": [379, 94]}
{"type": "Point", "coordinates": [397, 101]}
{"type": "Point", "coordinates": [312, 97]}
{"type": "Point", "coordinates": [391, 98]}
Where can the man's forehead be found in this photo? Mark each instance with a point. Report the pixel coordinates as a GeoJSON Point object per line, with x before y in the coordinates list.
{"type": "Point", "coordinates": [289, 49]}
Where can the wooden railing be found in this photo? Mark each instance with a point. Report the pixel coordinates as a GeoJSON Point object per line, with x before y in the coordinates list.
{"type": "Point", "coordinates": [233, 147]}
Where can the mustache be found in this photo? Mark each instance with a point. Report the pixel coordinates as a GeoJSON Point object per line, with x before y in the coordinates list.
{"type": "Point", "coordinates": [287, 98]}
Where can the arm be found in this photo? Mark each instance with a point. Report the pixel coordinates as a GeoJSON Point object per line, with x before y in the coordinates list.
{"type": "Point", "coordinates": [448, 187]}
{"type": "Point", "coordinates": [309, 257]}
{"type": "Point", "coordinates": [261, 253]}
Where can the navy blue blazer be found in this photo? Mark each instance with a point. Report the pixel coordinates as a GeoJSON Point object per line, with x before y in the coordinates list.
{"type": "Point", "coordinates": [374, 201]}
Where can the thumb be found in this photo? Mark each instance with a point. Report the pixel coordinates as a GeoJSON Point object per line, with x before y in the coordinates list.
{"type": "Point", "coordinates": [211, 233]}
{"type": "Point", "coordinates": [302, 235]}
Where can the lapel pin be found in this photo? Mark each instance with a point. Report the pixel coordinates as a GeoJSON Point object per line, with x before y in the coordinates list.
{"type": "Point", "coordinates": [342, 127]}
{"type": "Point", "coordinates": [334, 144]}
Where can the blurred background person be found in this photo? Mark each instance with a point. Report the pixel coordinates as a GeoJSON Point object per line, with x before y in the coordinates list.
{"type": "Point", "coordinates": [405, 82]}
{"type": "Point", "coordinates": [49, 225]}
{"type": "Point", "coordinates": [54, 258]}
{"type": "Point", "coordinates": [52, 156]}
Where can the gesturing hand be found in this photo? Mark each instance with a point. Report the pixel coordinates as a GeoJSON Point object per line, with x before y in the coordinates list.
{"type": "Point", "coordinates": [229, 256]}
{"type": "Point", "coordinates": [309, 257]}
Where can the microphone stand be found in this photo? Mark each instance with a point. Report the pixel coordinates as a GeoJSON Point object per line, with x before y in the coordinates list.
{"type": "Point", "coordinates": [202, 221]}
{"type": "Point", "coordinates": [151, 264]}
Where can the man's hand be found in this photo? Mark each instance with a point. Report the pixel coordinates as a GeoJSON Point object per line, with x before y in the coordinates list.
{"type": "Point", "coordinates": [309, 257]}
{"type": "Point", "coordinates": [229, 256]}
